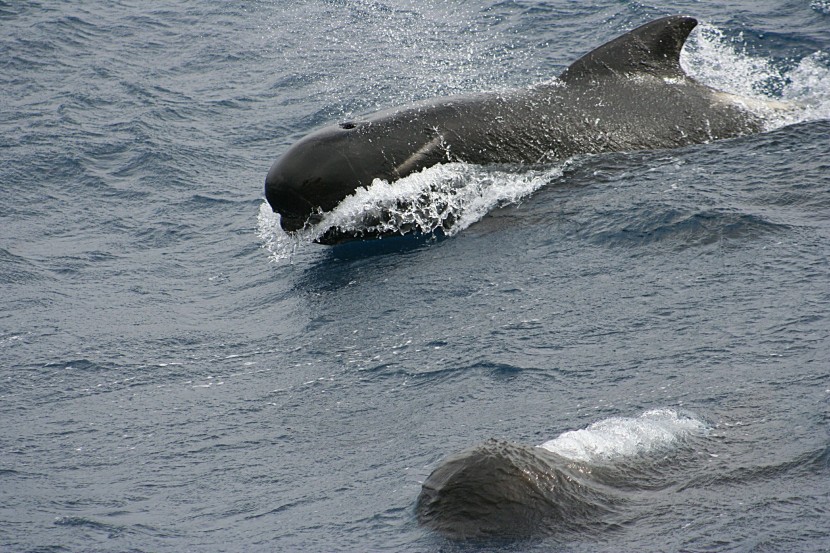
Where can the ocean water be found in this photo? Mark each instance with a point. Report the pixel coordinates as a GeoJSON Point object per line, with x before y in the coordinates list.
{"type": "Point", "coordinates": [178, 374]}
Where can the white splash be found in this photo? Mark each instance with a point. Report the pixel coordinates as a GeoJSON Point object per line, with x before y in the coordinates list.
{"type": "Point", "coordinates": [621, 437]}
{"type": "Point", "coordinates": [782, 96]}
{"type": "Point", "coordinates": [809, 86]}
{"type": "Point", "coordinates": [448, 196]}
{"type": "Point", "coordinates": [723, 63]}
{"type": "Point", "coordinates": [821, 6]}
{"type": "Point", "coordinates": [280, 245]}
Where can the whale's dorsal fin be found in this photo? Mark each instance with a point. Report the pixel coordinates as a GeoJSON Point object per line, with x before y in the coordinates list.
{"type": "Point", "coordinates": [653, 48]}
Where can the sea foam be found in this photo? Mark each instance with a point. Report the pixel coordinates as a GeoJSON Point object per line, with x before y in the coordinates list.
{"type": "Point", "coordinates": [618, 438]}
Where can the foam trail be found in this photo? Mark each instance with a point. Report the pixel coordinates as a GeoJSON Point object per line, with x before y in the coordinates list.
{"type": "Point", "coordinates": [618, 438]}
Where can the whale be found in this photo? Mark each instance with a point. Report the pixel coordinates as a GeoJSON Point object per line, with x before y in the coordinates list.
{"type": "Point", "coordinates": [579, 483]}
{"type": "Point", "coordinates": [629, 94]}
{"type": "Point", "coordinates": [503, 490]}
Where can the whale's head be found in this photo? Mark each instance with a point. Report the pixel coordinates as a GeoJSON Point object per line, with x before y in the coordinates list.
{"type": "Point", "coordinates": [320, 170]}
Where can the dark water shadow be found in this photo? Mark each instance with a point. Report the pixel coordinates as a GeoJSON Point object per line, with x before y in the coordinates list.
{"type": "Point", "coordinates": [341, 264]}
{"type": "Point", "coordinates": [398, 244]}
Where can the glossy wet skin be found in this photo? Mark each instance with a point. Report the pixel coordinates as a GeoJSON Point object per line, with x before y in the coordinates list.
{"type": "Point", "coordinates": [629, 94]}
{"type": "Point", "coordinates": [317, 172]}
{"type": "Point", "coordinates": [507, 491]}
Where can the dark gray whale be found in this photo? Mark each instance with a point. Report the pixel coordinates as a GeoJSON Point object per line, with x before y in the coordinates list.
{"type": "Point", "coordinates": [581, 482]}
{"type": "Point", "coordinates": [629, 94]}
{"type": "Point", "coordinates": [507, 491]}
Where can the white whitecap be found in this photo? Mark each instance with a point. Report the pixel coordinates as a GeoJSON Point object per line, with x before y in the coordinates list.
{"type": "Point", "coordinates": [619, 438]}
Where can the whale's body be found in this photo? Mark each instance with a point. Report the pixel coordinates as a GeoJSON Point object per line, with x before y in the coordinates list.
{"type": "Point", "coordinates": [504, 490]}
{"type": "Point", "coordinates": [578, 483]}
{"type": "Point", "coordinates": [629, 94]}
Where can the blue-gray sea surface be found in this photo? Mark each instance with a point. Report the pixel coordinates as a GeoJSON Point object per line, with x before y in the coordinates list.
{"type": "Point", "coordinates": [176, 375]}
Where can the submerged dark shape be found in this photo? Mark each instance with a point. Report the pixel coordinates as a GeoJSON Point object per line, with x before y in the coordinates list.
{"type": "Point", "coordinates": [629, 94]}
{"type": "Point", "coordinates": [507, 491]}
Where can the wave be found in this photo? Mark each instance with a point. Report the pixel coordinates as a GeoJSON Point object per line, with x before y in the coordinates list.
{"type": "Point", "coordinates": [679, 229]}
